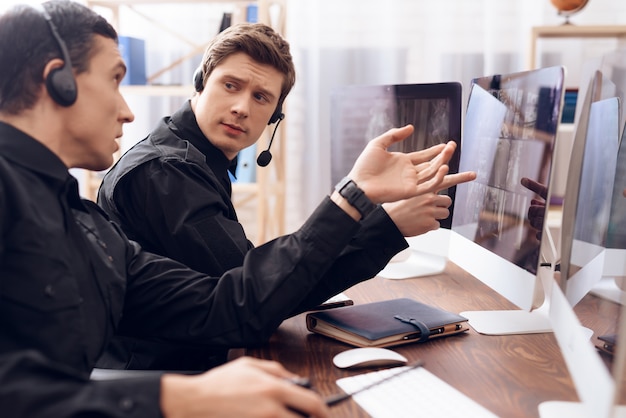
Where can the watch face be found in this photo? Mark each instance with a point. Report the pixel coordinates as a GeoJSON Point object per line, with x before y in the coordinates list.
{"type": "Point", "coordinates": [355, 196]}
{"type": "Point", "coordinates": [343, 183]}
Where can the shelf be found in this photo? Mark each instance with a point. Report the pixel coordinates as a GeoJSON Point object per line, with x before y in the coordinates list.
{"type": "Point", "coordinates": [575, 31]}
{"type": "Point", "coordinates": [572, 31]}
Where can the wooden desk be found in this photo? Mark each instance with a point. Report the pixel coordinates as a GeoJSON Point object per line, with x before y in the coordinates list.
{"type": "Point", "coordinates": [509, 375]}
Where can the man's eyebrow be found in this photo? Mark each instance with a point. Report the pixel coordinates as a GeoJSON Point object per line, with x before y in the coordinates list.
{"type": "Point", "coordinates": [260, 89]}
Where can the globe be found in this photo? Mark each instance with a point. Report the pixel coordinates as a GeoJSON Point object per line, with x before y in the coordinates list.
{"type": "Point", "coordinates": [568, 8]}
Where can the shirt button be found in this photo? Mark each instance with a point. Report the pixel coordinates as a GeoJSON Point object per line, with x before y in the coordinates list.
{"type": "Point", "coordinates": [49, 291]}
{"type": "Point", "coordinates": [126, 404]}
{"type": "Point", "coordinates": [110, 259]}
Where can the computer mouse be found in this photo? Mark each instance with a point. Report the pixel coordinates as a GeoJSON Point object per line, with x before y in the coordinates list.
{"type": "Point", "coordinates": [368, 357]}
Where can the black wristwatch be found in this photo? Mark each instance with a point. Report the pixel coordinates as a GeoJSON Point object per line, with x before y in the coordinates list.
{"type": "Point", "coordinates": [355, 196]}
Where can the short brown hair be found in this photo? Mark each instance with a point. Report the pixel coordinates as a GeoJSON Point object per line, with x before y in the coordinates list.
{"type": "Point", "coordinates": [260, 42]}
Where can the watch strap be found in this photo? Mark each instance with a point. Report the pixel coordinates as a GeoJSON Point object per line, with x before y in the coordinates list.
{"type": "Point", "coordinates": [348, 189]}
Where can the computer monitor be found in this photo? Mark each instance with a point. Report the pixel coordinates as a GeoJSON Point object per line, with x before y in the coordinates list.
{"type": "Point", "coordinates": [590, 199]}
{"type": "Point", "coordinates": [362, 112]}
{"type": "Point", "coordinates": [615, 257]}
{"type": "Point", "coordinates": [589, 193]}
{"type": "Point", "coordinates": [612, 286]}
{"type": "Point", "coordinates": [613, 283]}
{"type": "Point", "coordinates": [509, 134]}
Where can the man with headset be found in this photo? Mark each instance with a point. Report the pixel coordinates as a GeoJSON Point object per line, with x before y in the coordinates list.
{"type": "Point", "coordinates": [172, 193]}
{"type": "Point", "coordinates": [70, 279]}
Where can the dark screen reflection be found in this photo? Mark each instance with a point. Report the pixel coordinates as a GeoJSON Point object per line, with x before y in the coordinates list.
{"type": "Point", "coordinates": [361, 113]}
{"type": "Point", "coordinates": [616, 233]}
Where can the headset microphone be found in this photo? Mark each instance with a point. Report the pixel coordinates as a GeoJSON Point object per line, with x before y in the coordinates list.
{"type": "Point", "coordinates": [265, 156]}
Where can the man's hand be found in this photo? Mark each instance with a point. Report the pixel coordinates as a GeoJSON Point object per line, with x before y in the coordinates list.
{"type": "Point", "coordinates": [537, 209]}
{"type": "Point", "coordinates": [419, 214]}
{"type": "Point", "coordinates": [243, 388]}
{"type": "Point", "coordinates": [391, 176]}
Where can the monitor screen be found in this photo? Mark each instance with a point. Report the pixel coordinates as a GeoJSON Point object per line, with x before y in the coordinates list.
{"type": "Point", "coordinates": [361, 113]}
{"type": "Point", "coordinates": [589, 193]}
{"type": "Point", "coordinates": [615, 247]}
{"type": "Point", "coordinates": [509, 133]}
{"type": "Point", "coordinates": [616, 233]}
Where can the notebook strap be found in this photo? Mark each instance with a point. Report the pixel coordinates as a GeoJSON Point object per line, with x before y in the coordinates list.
{"type": "Point", "coordinates": [424, 330]}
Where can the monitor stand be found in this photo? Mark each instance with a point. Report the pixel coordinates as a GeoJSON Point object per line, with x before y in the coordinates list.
{"type": "Point", "coordinates": [511, 322]}
{"type": "Point", "coordinates": [608, 289]}
{"type": "Point", "coordinates": [416, 264]}
{"type": "Point", "coordinates": [427, 255]}
{"type": "Point", "coordinates": [519, 321]}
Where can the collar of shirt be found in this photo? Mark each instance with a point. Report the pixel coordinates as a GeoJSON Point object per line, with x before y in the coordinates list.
{"type": "Point", "coordinates": [185, 122]}
{"type": "Point", "coordinates": [31, 154]}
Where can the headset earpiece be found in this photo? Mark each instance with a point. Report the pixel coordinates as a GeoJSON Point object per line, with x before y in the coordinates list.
{"type": "Point", "coordinates": [60, 82]}
{"type": "Point", "coordinates": [198, 81]}
{"type": "Point", "coordinates": [62, 86]}
{"type": "Point", "coordinates": [278, 115]}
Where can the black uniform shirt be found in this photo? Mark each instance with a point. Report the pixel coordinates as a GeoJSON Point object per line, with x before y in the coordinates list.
{"type": "Point", "coordinates": [172, 194]}
{"type": "Point", "coordinates": [67, 285]}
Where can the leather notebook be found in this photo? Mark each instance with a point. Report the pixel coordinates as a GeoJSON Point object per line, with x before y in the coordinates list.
{"type": "Point", "coordinates": [386, 323]}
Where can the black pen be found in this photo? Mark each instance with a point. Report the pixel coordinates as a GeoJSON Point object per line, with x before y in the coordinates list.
{"type": "Point", "coordinates": [304, 382]}
{"type": "Point", "coordinates": [340, 397]}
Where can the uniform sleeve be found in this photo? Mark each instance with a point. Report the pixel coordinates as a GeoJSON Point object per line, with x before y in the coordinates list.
{"type": "Point", "coordinates": [376, 242]}
{"type": "Point", "coordinates": [179, 209]}
{"type": "Point", "coordinates": [191, 219]}
{"type": "Point", "coordinates": [246, 304]}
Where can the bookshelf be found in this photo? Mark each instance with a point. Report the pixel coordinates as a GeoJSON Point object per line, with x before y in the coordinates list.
{"type": "Point", "coordinates": [566, 131]}
{"type": "Point", "coordinates": [572, 32]}
{"type": "Point", "coordinates": [262, 203]}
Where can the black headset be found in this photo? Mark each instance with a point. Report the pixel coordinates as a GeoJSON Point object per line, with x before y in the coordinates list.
{"type": "Point", "coordinates": [60, 81]}
{"type": "Point", "coordinates": [198, 83]}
